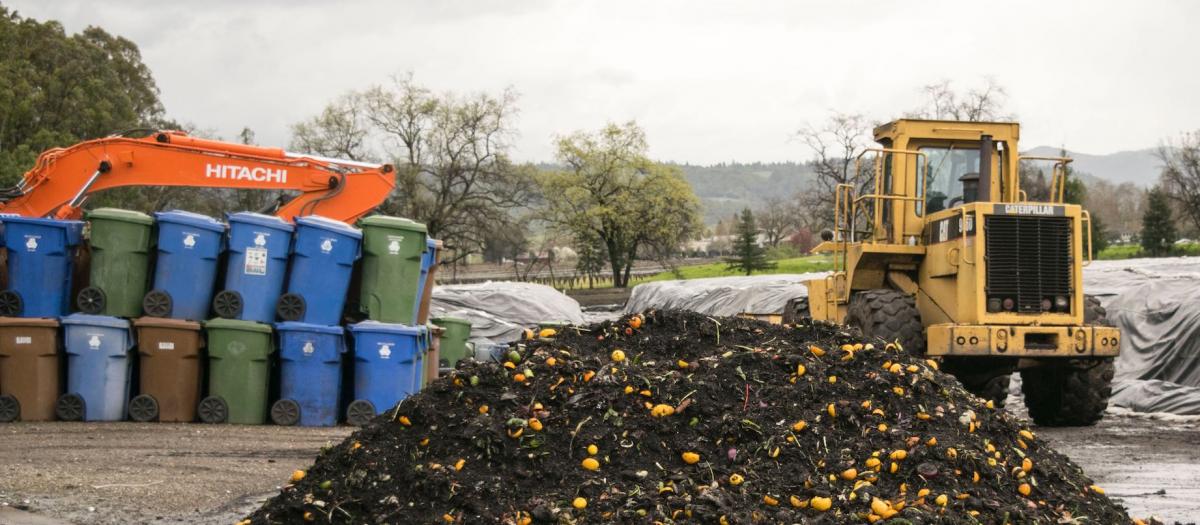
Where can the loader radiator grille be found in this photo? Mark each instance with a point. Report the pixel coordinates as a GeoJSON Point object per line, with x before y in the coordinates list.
{"type": "Point", "coordinates": [1028, 260]}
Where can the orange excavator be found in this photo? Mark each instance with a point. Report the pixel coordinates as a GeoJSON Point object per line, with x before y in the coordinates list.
{"type": "Point", "coordinates": [63, 178]}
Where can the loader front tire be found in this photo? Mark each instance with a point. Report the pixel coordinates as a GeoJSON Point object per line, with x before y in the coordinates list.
{"type": "Point", "coordinates": [889, 315]}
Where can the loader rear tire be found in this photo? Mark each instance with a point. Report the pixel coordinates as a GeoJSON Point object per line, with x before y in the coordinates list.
{"type": "Point", "coordinates": [797, 311]}
{"type": "Point", "coordinates": [1070, 396]}
{"type": "Point", "coordinates": [1067, 397]}
{"type": "Point", "coordinates": [994, 388]}
{"type": "Point", "coordinates": [889, 315]}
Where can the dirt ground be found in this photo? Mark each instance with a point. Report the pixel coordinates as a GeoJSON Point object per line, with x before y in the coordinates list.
{"type": "Point", "coordinates": [53, 473]}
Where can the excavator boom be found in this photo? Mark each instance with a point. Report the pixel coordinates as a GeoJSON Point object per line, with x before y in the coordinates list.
{"type": "Point", "coordinates": [64, 177]}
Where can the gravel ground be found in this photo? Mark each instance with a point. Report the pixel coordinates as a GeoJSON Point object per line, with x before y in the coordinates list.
{"type": "Point", "coordinates": [108, 473]}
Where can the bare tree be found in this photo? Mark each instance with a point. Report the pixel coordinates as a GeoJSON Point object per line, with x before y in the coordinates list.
{"type": "Point", "coordinates": [1181, 174]}
{"type": "Point", "coordinates": [943, 102]}
{"type": "Point", "coordinates": [777, 219]}
{"type": "Point", "coordinates": [835, 146]}
{"type": "Point", "coordinates": [340, 131]}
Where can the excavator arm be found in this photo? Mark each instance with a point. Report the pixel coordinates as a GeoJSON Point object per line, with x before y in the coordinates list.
{"type": "Point", "coordinates": [63, 178]}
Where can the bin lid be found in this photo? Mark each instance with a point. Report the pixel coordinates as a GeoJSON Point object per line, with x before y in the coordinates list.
{"type": "Point", "coordinates": [395, 223]}
{"type": "Point", "coordinates": [74, 228]}
{"type": "Point", "coordinates": [386, 328]}
{"type": "Point", "coordinates": [325, 223]}
{"type": "Point", "coordinates": [36, 322]}
{"type": "Point", "coordinates": [450, 320]}
{"type": "Point", "coordinates": [235, 324]}
{"type": "Point", "coordinates": [96, 320]}
{"type": "Point", "coordinates": [117, 214]}
{"type": "Point", "coordinates": [287, 326]}
{"type": "Point", "coordinates": [165, 322]}
{"type": "Point", "coordinates": [190, 219]}
{"type": "Point", "coordinates": [269, 221]}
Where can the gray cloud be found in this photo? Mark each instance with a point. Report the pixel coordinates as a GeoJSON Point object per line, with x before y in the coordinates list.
{"type": "Point", "coordinates": [711, 81]}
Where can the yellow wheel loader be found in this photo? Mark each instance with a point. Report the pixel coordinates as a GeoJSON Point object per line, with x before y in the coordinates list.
{"type": "Point", "coordinates": [937, 248]}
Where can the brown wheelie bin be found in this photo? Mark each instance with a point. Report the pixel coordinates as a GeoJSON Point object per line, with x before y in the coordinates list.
{"type": "Point", "coordinates": [170, 370]}
{"type": "Point", "coordinates": [30, 368]}
{"type": "Point", "coordinates": [431, 358]}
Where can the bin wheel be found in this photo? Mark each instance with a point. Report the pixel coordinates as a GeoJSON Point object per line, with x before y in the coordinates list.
{"type": "Point", "coordinates": [143, 408]}
{"type": "Point", "coordinates": [10, 303]}
{"type": "Point", "coordinates": [90, 300]}
{"type": "Point", "coordinates": [228, 304]}
{"type": "Point", "coordinates": [285, 412]}
{"type": "Point", "coordinates": [360, 412]}
{"type": "Point", "coordinates": [290, 307]}
{"type": "Point", "coordinates": [213, 410]}
{"type": "Point", "coordinates": [70, 407]}
{"type": "Point", "coordinates": [157, 303]}
{"type": "Point", "coordinates": [10, 409]}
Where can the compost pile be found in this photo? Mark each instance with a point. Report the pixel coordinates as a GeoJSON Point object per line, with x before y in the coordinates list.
{"type": "Point", "coordinates": [672, 417]}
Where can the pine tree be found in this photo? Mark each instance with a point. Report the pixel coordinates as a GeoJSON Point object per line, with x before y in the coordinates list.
{"type": "Point", "coordinates": [748, 255]}
{"type": "Point", "coordinates": [1158, 228]}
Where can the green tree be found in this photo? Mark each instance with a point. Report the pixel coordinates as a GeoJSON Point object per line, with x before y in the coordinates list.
{"type": "Point", "coordinates": [60, 89]}
{"type": "Point", "coordinates": [748, 256]}
{"type": "Point", "coordinates": [1158, 227]}
{"type": "Point", "coordinates": [610, 190]}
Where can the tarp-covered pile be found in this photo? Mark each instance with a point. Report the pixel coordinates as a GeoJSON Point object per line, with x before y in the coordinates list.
{"type": "Point", "coordinates": [500, 311]}
{"type": "Point", "coordinates": [725, 296]}
{"type": "Point", "coordinates": [1153, 302]}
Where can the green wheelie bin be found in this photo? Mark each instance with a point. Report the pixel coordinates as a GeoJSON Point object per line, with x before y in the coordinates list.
{"type": "Point", "coordinates": [120, 246]}
{"type": "Point", "coordinates": [391, 268]}
{"type": "Point", "coordinates": [239, 372]}
{"type": "Point", "coordinates": [453, 344]}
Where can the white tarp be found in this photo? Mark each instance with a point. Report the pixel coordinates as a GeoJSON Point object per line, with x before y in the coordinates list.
{"type": "Point", "coordinates": [722, 296]}
{"type": "Point", "coordinates": [499, 311]}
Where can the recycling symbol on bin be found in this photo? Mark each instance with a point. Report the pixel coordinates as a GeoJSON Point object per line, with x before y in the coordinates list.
{"type": "Point", "coordinates": [327, 246]}
{"type": "Point", "coordinates": [31, 244]}
{"type": "Point", "coordinates": [260, 240]}
{"type": "Point", "coordinates": [189, 240]}
{"type": "Point", "coordinates": [236, 347]}
{"type": "Point", "coordinates": [94, 342]}
{"type": "Point", "coordinates": [394, 247]}
{"type": "Point", "coordinates": [385, 351]}
{"type": "Point", "coordinates": [308, 348]}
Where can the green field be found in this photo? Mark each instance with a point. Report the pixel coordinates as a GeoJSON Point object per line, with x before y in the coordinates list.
{"type": "Point", "coordinates": [812, 263]}
{"type": "Point", "coordinates": [1130, 251]}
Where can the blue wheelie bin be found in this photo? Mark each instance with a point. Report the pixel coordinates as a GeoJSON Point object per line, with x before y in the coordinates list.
{"type": "Point", "coordinates": [428, 259]}
{"type": "Point", "coordinates": [98, 365]}
{"type": "Point", "coordinates": [188, 247]}
{"type": "Point", "coordinates": [258, 251]}
{"type": "Point", "coordinates": [323, 256]}
{"type": "Point", "coordinates": [41, 255]}
{"type": "Point", "coordinates": [387, 358]}
{"type": "Point", "coordinates": [310, 374]}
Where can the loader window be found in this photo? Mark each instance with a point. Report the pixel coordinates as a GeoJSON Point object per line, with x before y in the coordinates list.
{"type": "Point", "coordinates": [949, 169]}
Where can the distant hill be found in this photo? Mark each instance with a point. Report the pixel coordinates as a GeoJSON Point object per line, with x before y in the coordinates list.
{"type": "Point", "coordinates": [725, 189]}
{"type": "Point", "coordinates": [1140, 167]}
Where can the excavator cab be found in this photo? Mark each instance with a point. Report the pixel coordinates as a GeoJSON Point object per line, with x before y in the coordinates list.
{"type": "Point", "coordinates": [937, 249]}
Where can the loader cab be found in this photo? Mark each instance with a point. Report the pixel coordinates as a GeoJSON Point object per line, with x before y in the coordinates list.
{"type": "Point", "coordinates": [930, 168]}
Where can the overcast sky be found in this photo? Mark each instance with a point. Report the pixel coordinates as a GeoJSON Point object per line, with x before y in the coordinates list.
{"type": "Point", "coordinates": [709, 81]}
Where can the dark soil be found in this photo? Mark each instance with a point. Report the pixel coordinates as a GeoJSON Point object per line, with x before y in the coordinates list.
{"type": "Point", "coordinates": [439, 458]}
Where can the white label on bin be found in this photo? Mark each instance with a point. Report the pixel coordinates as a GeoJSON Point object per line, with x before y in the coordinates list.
{"type": "Point", "coordinates": [256, 261]}
{"type": "Point", "coordinates": [94, 341]}
{"type": "Point", "coordinates": [394, 244]}
{"type": "Point", "coordinates": [327, 245]}
{"type": "Point", "coordinates": [31, 243]}
{"type": "Point", "coordinates": [24, 340]}
{"type": "Point", "coordinates": [385, 350]}
{"type": "Point", "coordinates": [236, 347]}
{"type": "Point", "coordinates": [308, 348]}
{"type": "Point", "coordinates": [189, 240]}
{"type": "Point", "coordinates": [260, 239]}
{"type": "Point", "coordinates": [166, 345]}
